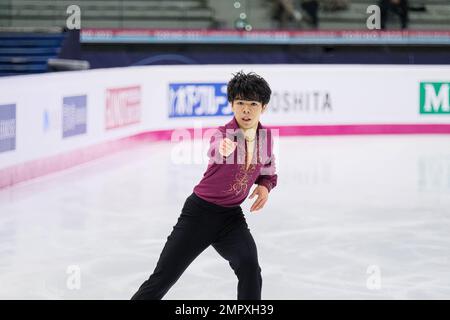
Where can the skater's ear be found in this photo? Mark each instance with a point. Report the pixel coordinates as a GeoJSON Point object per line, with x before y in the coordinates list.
{"type": "Point", "coordinates": [264, 107]}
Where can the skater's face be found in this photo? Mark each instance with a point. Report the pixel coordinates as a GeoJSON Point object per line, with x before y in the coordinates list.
{"type": "Point", "coordinates": [247, 113]}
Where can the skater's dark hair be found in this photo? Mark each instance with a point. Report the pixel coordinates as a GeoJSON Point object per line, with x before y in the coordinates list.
{"type": "Point", "coordinates": [250, 86]}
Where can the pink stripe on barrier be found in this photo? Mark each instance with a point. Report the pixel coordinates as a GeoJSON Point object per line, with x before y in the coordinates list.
{"type": "Point", "coordinates": [364, 129]}
{"type": "Point", "coordinates": [36, 168]}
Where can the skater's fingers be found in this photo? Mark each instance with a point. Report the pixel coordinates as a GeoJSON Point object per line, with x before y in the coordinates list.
{"type": "Point", "coordinates": [253, 205]}
{"type": "Point", "coordinates": [256, 204]}
{"type": "Point", "coordinates": [230, 145]}
{"type": "Point", "coordinates": [261, 204]}
{"type": "Point", "coordinates": [224, 149]}
{"type": "Point", "coordinates": [227, 148]}
{"type": "Point", "coordinates": [255, 192]}
{"type": "Point", "coordinates": [228, 142]}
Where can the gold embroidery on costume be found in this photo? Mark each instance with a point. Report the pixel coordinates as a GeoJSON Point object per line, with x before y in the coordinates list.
{"type": "Point", "coordinates": [241, 178]}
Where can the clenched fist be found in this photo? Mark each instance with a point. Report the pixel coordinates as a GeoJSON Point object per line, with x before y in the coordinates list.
{"type": "Point", "coordinates": [227, 147]}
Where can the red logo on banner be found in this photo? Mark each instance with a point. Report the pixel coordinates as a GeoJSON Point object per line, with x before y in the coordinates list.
{"type": "Point", "coordinates": [123, 107]}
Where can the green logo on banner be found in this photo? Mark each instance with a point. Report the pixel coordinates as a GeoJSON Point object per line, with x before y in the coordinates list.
{"type": "Point", "coordinates": [434, 97]}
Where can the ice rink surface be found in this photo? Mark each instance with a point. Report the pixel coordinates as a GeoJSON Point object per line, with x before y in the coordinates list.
{"type": "Point", "coordinates": [353, 217]}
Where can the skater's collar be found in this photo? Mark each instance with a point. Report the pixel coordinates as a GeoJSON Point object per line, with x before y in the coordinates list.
{"type": "Point", "coordinates": [234, 125]}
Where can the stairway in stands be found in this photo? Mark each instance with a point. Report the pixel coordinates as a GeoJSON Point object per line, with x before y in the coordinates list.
{"type": "Point", "coordinates": [27, 52]}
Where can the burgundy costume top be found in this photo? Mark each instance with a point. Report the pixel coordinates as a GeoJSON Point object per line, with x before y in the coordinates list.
{"type": "Point", "coordinates": [226, 181]}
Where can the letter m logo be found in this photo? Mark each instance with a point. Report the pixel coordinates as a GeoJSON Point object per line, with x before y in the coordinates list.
{"type": "Point", "coordinates": [434, 97]}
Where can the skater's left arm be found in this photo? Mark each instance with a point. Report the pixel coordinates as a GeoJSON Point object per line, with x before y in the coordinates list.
{"type": "Point", "coordinates": [266, 181]}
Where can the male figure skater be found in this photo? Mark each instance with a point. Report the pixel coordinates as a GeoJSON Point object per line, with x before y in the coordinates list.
{"type": "Point", "coordinates": [240, 155]}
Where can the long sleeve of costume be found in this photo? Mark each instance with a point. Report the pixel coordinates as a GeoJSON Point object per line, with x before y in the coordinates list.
{"type": "Point", "coordinates": [268, 176]}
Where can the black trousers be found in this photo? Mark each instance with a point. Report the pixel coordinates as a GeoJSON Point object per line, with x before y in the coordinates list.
{"type": "Point", "coordinates": [200, 225]}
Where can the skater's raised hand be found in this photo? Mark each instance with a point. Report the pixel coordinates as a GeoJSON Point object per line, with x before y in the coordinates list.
{"type": "Point", "coordinates": [227, 147]}
{"type": "Point", "coordinates": [263, 196]}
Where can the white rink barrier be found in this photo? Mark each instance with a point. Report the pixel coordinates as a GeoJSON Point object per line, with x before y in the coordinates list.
{"type": "Point", "coordinates": [53, 121]}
